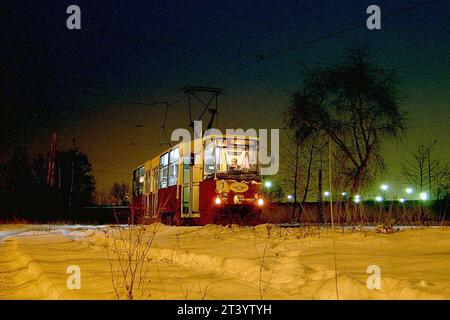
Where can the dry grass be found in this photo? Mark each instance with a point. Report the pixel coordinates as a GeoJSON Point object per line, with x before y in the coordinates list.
{"type": "Point", "coordinates": [354, 215]}
{"type": "Point", "coordinates": [127, 249]}
{"type": "Point", "coordinates": [264, 276]}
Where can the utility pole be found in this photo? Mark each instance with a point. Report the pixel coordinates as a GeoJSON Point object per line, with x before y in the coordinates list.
{"type": "Point", "coordinates": [59, 176]}
{"type": "Point", "coordinates": [296, 159]}
{"type": "Point", "coordinates": [52, 162]}
{"type": "Point", "coordinates": [330, 181]}
{"type": "Point", "coordinates": [71, 176]}
{"type": "Point", "coordinates": [319, 190]}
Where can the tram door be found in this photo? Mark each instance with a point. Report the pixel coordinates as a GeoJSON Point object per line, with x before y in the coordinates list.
{"type": "Point", "coordinates": [154, 193]}
{"type": "Point", "coordinates": [197, 176]}
{"type": "Point", "coordinates": [190, 191]}
{"type": "Point", "coordinates": [187, 180]}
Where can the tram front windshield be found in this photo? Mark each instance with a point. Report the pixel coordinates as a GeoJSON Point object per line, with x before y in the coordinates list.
{"type": "Point", "coordinates": [231, 158]}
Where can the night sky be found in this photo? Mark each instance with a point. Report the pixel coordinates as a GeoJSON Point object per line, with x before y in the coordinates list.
{"type": "Point", "coordinates": [79, 83]}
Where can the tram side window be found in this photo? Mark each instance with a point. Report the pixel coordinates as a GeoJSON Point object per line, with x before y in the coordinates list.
{"type": "Point", "coordinates": [141, 180]}
{"type": "Point", "coordinates": [138, 181]}
{"type": "Point", "coordinates": [208, 162]}
{"type": "Point", "coordinates": [174, 155]}
{"type": "Point", "coordinates": [163, 170]}
{"type": "Point", "coordinates": [135, 182]}
{"type": "Point", "coordinates": [147, 182]}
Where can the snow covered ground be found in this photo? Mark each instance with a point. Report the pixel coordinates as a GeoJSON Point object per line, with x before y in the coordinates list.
{"type": "Point", "coordinates": [215, 262]}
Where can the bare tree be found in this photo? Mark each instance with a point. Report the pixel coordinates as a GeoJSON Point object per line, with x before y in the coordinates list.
{"type": "Point", "coordinates": [441, 179]}
{"type": "Point", "coordinates": [120, 193]}
{"type": "Point", "coordinates": [414, 169]}
{"type": "Point", "coordinates": [310, 146]}
{"type": "Point", "coordinates": [275, 193]}
{"type": "Point", "coordinates": [314, 147]}
{"type": "Point", "coordinates": [355, 104]}
{"type": "Point", "coordinates": [301, 160]}
{"type": "Point", "coordinates": [425, 172]}
{"type": "Point", "coordinates": [291, 170]}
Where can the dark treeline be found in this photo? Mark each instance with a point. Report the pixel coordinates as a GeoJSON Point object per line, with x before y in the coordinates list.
{"type": "Point", "coordinates": [25, 193]}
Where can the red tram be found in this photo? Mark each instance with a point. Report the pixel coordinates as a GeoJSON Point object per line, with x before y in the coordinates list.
{"type": "Point", "coordinates": [214, 179]}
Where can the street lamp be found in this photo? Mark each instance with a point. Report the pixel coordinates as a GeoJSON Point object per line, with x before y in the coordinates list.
{"type": "Point", "coordinates": [326, 193]}
{"type": "Point", "coordinates": [402, 200]}
{"type": "Point", "coordinates": [357, 198]}
{"type": "Point", "coordinates": [289, 196]}
{"type": "Point", "coordinates": [268, 184]}
{"type": "Point", "coordinates": [379, 198]}
{"type": "Point", "coordinates": [423, 196]}
{"type": "Point", "coordinates": [409, 190]}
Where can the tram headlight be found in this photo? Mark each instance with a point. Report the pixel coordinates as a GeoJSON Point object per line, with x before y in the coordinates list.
{"type": "Point", "coordinates": [218, 201]}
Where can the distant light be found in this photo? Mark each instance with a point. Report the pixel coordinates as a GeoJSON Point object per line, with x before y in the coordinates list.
{"type": "Point", "coordinates": [402, 200]}
{"type": "Point", "coordinates": [423, 196]}
{"type": "Point", "coordinates": [326, 193]}
{"type": "Point", "coordinates": [409, 190]}
{"type": "Point", "coordinates": [357, 198]}
{"type": "Point", "coordinates": [384, 187]}
{"type": "Point", "coordinates": [344, 193]}
{"type": "Point", "coordinates": [289, 196]}
{"type": "Point", "coordinates": [378, 198]}
{"type": "Point", "coordinates": [141, 179]}
{"type": "Point", "coordinates": [218, 201]}
{"type": "Point", "coordinates": [260, 202]}
{"type": "Point", "coordinates": [268, 184]}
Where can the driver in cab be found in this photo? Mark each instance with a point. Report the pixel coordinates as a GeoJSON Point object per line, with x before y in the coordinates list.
{"type": "Point", "coordinates": [234, 165]}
